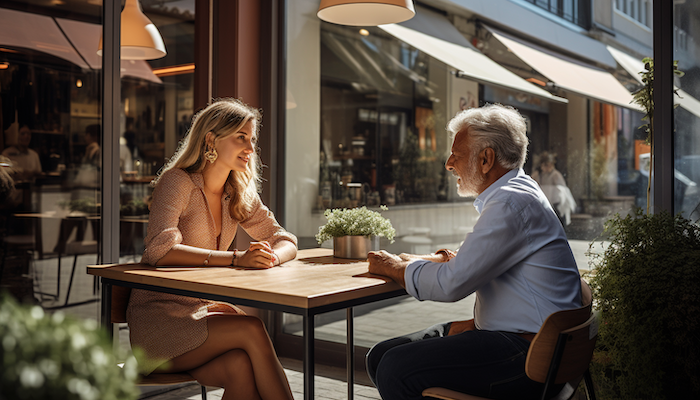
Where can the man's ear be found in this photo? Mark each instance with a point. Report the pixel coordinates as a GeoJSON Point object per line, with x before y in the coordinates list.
{"type": "Point", "coordinates": [487, 159]}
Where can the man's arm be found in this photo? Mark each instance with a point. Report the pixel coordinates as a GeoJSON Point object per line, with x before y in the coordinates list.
{"type": "Point", "coordinates": [394, 267]}
{"type": "Point", "coordinates": [442, 255]}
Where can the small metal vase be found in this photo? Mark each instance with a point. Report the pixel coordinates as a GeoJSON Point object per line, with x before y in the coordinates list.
{"type": "Point", "coordinates": [355, 247]}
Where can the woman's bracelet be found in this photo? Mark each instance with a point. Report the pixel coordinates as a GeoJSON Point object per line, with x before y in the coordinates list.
{"type": "Point", "coordinates": [234, 260]}
{"type": "Point", "coordinates": [206, 261]}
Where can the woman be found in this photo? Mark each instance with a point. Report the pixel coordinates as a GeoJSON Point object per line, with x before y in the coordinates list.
{"type": "Point", "coordinates": [554, 186]}
{"type": "Point", "coordinates": [204, 192]}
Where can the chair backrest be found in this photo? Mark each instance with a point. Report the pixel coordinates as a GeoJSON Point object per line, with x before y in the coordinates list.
{"type": "Point", "coordinates": [580, 330]}
{"type": "Point", "coordinates": [120, 300]}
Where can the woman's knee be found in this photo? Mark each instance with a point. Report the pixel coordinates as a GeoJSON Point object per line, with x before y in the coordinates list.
{"type": "Point", "coordinates": [237, 364]}
{"type": "Point", "coordinates": [232, 368]}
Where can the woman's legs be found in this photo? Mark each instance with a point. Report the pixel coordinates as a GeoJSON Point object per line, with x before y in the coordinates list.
{"type": "Point", "coordinates": [236, 341]}
{"type": "Point", "coordinates": [232, 371]}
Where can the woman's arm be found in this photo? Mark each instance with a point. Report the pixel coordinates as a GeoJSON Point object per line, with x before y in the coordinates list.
{"type": "Point", "coordinates": [184, 255]}
{"type": "Point", "coordinates": [284, 251]}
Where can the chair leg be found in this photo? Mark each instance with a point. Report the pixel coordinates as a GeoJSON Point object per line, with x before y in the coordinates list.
{"type": "Point", "coordinates": [588, 384]}
{"type": "Point", "coordinates": [70, 282]}
{"type": "Point", "coordinates": [95, 281]}
{"type": "Point", "coordinates": [58, 278]}
{"type": "Point", "coordinates": [204, 392]}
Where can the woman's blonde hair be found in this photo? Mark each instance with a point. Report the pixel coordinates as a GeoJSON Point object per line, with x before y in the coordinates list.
{"type": "Point", "coordinates": [223, 117]}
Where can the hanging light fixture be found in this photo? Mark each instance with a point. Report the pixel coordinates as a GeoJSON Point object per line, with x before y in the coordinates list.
{"type": "Point", "coordinates": [140, 39]}
{"type": "Point", "coordinates": [366, 12]}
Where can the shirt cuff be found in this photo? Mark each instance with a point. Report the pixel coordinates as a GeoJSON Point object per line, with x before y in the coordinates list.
{"type": "Point", "coordinates": [411, 275]}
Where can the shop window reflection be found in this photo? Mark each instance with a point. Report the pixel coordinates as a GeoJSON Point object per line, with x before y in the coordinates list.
{"type": "Point", "coordinates": [50, 80]}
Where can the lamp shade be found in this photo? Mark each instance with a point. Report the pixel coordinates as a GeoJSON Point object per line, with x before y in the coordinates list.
{"type": "Point", "coordinates": [366, 12]}
{"type": "Point", "coordinates": [140, 39]}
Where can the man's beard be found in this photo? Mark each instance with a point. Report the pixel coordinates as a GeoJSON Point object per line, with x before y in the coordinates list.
{"type": "Point", "coordinates": [471, 182]}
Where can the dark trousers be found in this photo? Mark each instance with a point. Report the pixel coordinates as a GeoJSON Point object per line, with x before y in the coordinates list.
{"type": "Point", "coordinates": [481, 363]}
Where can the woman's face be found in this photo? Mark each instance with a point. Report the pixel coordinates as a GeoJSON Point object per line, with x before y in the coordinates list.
{"type": "Point", "coordinates": [547, 167]}
{"type": "Point", "coordinates": [235, 150]}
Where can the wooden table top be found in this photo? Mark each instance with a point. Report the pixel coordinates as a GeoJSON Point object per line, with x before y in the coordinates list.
{"type": "Point", "coordinates": [315, 278]}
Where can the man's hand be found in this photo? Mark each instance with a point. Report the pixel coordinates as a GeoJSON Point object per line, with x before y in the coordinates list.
{"type": "Point", "coordinates": [387, 264]}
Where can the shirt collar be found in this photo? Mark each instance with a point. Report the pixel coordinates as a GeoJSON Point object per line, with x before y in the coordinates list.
{"type": "Point", "coordinates": [481, 200]}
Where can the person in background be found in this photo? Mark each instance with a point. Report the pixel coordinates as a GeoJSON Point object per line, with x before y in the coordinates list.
{"type": "Point", "coordinates": [517, 260]}
{"type": "Point", "coordinates": [25, 161]}
{"type": "Point", "coordinates": [7, 184]}
{"type": "Point", "coordinates": [93, 153]}
{"type": "Point", "coordinates": [554, 186]}
{"type": "Point", "coordinates": [204, 192]}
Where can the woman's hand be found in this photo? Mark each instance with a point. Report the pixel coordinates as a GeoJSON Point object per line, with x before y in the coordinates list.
{"type": "Point", "coordinates": [258, 255]}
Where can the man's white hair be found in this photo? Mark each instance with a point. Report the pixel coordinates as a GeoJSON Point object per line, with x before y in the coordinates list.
{"type": "Point", "coordinates": [499, 127]}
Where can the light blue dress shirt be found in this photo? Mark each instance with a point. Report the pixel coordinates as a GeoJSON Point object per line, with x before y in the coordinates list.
{"type": "Point", "coordinates": [517, 260]}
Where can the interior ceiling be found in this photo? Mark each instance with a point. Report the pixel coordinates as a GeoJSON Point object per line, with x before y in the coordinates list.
{"type": "Point", "coordinates": [91, 10]}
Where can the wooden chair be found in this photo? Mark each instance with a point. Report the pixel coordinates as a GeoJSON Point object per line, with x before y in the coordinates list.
{"type": "Point", "coordinates": [120, 300]}
{"type": "Point", "coordinates": [560, 353]}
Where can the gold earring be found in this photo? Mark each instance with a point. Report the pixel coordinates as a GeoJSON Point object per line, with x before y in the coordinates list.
{"type": "Point", "coordinates": [211, 155]}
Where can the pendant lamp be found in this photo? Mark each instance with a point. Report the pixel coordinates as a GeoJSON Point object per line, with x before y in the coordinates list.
{"type": "Point", "coordinates": [366, 12]}
{"type": "Point", "coordinates": [140, 39]}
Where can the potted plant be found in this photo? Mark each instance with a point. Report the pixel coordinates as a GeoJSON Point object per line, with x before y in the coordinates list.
{"type": "Point", "coordinates": [355, 231]}
{"type": "Point", "coordinates": [645, 286]}
{"type": "Point", "coordinates": [83, 206]}
{"type": "Point", "coordinates": [58, 356]}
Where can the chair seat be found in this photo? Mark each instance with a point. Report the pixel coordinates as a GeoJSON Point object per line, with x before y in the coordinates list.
{"type": "Point", "coordinates": [165, 379]}
{"type": "Point", "coordinates": [447, 394]}
{"type": "Point", "coordinates": [20, 240]}
{"type": "Point", "coordinates": [81, 247]}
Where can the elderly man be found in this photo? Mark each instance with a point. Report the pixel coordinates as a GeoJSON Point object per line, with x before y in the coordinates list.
{"type": "Point", "coordinates": [517, 260]}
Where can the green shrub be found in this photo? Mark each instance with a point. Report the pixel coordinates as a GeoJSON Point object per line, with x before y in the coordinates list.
{"type": "Point", "coordinates": [647, 288]}
{"type": "Point", "coordinates": [59, 357]}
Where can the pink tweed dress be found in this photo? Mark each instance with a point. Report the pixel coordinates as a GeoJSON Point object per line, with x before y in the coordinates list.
{"type": "Point", "coordinates": [165, 326]}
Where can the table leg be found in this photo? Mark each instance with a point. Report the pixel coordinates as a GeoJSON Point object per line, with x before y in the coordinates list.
{"type": "Point", "coordinates": [107, 308]}
{"type": "Point", "coordinates": [350, 351]}
{"type": "Point", "coordinates": [308, 320]}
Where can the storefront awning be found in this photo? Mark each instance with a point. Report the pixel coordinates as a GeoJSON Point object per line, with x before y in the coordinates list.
{"type": "Point", "coordinates": [634, 66]}
{"type": "Point", "coordinates": [86, 37]}
{"type": "Point", "coordinates": [568, 74]}
{"type": "Point", "coordinates": [435, 35]}
{"type": "Point", "coordinates": [36, 32]}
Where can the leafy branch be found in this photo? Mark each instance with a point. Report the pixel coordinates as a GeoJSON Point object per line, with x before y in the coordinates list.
{"type": "Point", "coordinates": [644, 97]}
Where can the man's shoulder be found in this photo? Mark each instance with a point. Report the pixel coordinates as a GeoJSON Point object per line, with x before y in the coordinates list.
{"type": "Point", "coordinates": [517, 194]}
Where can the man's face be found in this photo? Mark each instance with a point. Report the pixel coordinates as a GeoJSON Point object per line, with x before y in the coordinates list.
{"type": "Point", "coordinates": [464, 164]}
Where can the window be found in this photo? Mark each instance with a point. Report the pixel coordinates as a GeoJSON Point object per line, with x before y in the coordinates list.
{"type": "Point", "coordinates": [687, 116]}
{"type": "Point", "coordinates": [575, 11]}
{"type": "Point", "coordinates": [638, 10]}
{"type": "Point", "coordinates": [51, 116]}
{"type": "Point", "coordinates": [367, 126]}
